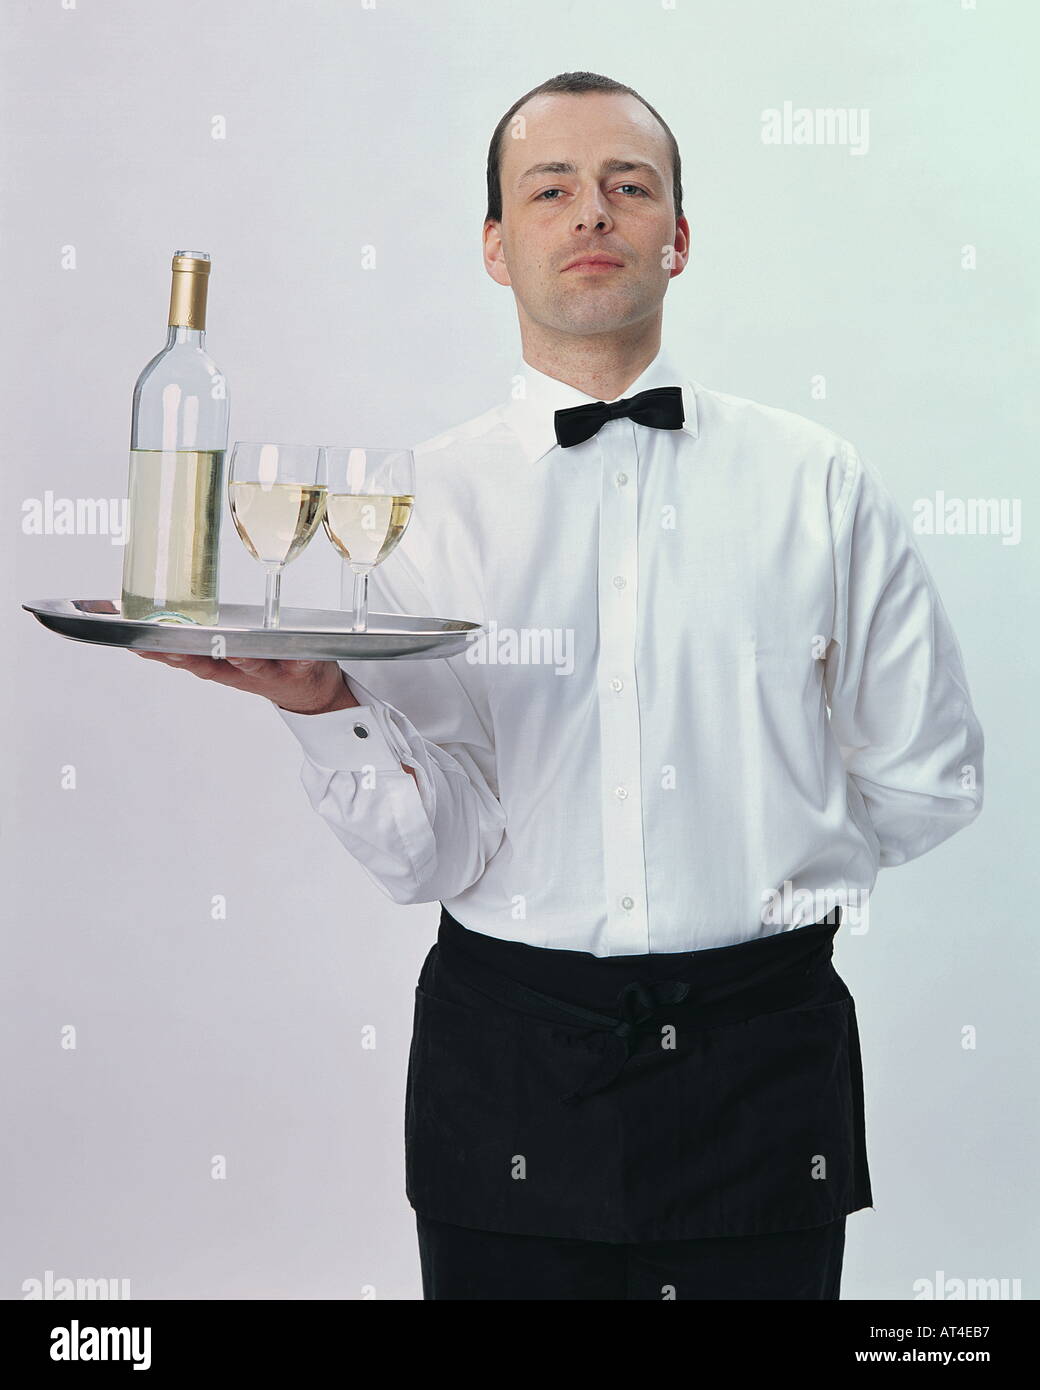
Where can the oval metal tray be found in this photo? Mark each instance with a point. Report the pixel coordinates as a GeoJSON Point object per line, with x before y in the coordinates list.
{"type": "Point", "coordinates": [304, 634]}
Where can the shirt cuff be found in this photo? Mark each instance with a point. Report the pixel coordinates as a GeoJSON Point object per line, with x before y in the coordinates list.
{"type": "Point", "coordinates": [347, 740]}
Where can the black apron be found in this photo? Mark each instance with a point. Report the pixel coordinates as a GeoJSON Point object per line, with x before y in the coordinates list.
{"type": "Point", "coordinates": [635, 1098]}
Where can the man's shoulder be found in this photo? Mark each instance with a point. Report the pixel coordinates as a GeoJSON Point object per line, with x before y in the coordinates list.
{"type": "Point", "coordinates": [723, 410]}
{"type": "Point", "coordinates": [791, 450]}
{"type": "Point", "coordinates": [458, 440]}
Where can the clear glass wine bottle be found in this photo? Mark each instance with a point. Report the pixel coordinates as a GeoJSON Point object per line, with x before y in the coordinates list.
{"type": "Point", "coordinates": [178, 440]}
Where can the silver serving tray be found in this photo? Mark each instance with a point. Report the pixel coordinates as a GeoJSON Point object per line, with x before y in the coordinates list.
{"type": "Point", "coordinates": [304, 634]}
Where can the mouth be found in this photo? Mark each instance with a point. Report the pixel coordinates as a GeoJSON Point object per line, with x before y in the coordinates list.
{"type": "Point", "coordinates": [594, 265]}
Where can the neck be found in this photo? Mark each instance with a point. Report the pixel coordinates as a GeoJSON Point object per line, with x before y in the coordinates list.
{"type": "Point", "coordinates": [602, 365]}
{"type": "Point", "coordinates": [178, 333]}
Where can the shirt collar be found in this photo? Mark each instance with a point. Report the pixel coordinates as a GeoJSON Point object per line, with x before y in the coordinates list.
{"type": "Point", "coordinates": [536, 398]}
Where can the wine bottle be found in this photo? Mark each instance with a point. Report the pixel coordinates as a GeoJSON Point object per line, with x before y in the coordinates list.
{"type": "Point", "coordinates": [178, 439]}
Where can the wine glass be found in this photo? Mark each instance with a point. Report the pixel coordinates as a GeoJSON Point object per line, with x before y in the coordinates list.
{"type": "Point", "coordinates": [369, 500]}
{"type": "Point", "coordinates": [276, 503]}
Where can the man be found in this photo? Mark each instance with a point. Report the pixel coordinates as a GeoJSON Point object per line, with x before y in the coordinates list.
{"type": "Point", "coordinates": [716, 691]}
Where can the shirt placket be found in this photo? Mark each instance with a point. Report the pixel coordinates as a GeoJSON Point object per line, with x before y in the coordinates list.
{"type": "Point", "coordinates": [624, 859]}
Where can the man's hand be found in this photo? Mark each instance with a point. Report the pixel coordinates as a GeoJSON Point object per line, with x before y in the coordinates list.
{"type": "Point", "coordinates": [299, 687]}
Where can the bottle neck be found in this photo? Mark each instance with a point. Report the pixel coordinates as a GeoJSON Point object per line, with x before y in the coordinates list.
{"type": "Point", "coordinates": [178, 333]}
{"type": "Point", "coordinates": [189, 289]}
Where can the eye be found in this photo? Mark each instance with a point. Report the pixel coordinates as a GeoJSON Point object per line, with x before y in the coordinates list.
{"type": "Point", "coordinates": [542, 196]}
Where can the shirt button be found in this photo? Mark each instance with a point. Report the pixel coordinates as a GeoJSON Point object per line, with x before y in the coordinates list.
{"type": "Point", "coordinates": [620, 793]}
{"type": "Point", "coordinates": [617, 683]}
{"type": "Point", "coordinates": [619, 581]}
{"type": "Point", "coordinates": [622, 479]}
{"type": "Point", "coordinates": [627, 903]}
{"type": "Point", "coordinates": [361, 731]}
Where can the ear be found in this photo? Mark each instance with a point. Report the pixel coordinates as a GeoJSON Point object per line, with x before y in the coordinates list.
{"type": "Point", "coordinates": [494, 254]}
{"type": "Point", "coordinates": [681, 253]}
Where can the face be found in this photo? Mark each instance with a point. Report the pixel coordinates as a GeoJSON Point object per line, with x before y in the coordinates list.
{"type": "Point", "coordinates": [552, 217]}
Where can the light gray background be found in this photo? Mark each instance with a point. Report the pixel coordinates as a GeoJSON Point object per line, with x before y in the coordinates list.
{"type": "Point", "coordinates": [347, 127]}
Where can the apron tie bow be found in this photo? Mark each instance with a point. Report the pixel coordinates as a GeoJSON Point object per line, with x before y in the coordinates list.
{"type": "Point", "coordinates": [637, 1003]}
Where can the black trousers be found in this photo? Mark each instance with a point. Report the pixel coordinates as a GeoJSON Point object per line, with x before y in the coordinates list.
{"type": "Point", "coordinates": [461, 1262]}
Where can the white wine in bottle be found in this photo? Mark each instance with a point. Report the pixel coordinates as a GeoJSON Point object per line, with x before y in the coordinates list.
{"type": "Point", "coordinates": [178, 438]}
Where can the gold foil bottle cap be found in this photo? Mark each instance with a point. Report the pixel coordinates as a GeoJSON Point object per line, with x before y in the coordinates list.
{"type": "Point", "coordinates": [188, 291]}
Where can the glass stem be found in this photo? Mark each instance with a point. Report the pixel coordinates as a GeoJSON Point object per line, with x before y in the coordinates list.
{"type": "Point", "coordinates": [273, 599]}
{"type": "Point", "coordinates": [360, 601]}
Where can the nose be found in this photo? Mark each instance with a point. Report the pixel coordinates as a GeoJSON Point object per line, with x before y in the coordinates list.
{"type": "Point", "coordinates": [592, 211]}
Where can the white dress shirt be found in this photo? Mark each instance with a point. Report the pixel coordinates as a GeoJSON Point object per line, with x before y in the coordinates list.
{"type": "Point", "coordinates": [716, 676]}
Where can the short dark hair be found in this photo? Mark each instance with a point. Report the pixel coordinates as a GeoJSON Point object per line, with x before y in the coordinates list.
{"type": "Point", "coordinates": [573, 83]}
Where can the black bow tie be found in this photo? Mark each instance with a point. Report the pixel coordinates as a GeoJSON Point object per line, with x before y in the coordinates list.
{"type": "Point", "coordinates": [661, 408]}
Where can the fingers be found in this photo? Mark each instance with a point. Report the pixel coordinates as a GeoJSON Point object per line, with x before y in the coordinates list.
{"type": "Point", "coordinates": [227, 671]}
{"type": "Point", "coordinates": [189, 663]}
{"type": "Point", "coordinates": [249, 666]}
{"type": "Point", "coordinates": [295, 682]}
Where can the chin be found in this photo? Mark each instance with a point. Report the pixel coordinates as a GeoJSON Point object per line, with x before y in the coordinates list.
{"type": "Point", "coordinates": [603, 317]}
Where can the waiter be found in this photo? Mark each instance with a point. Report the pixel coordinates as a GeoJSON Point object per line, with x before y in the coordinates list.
{"type": "Point", "coordinates": [716, 691]}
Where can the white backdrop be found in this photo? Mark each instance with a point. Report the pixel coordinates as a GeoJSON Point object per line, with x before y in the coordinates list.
{"type": "Point", "coordinates": [284, 139]}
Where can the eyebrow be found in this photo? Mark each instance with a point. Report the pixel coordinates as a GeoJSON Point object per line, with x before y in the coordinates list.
{"type": "Point", "coordinates": [610, 166]}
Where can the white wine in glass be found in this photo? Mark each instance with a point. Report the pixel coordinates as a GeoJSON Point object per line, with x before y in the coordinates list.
{"type": "Point", "coordinates": [370, 495]}
{"type": "Point", "coordinates": [277, 504]}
